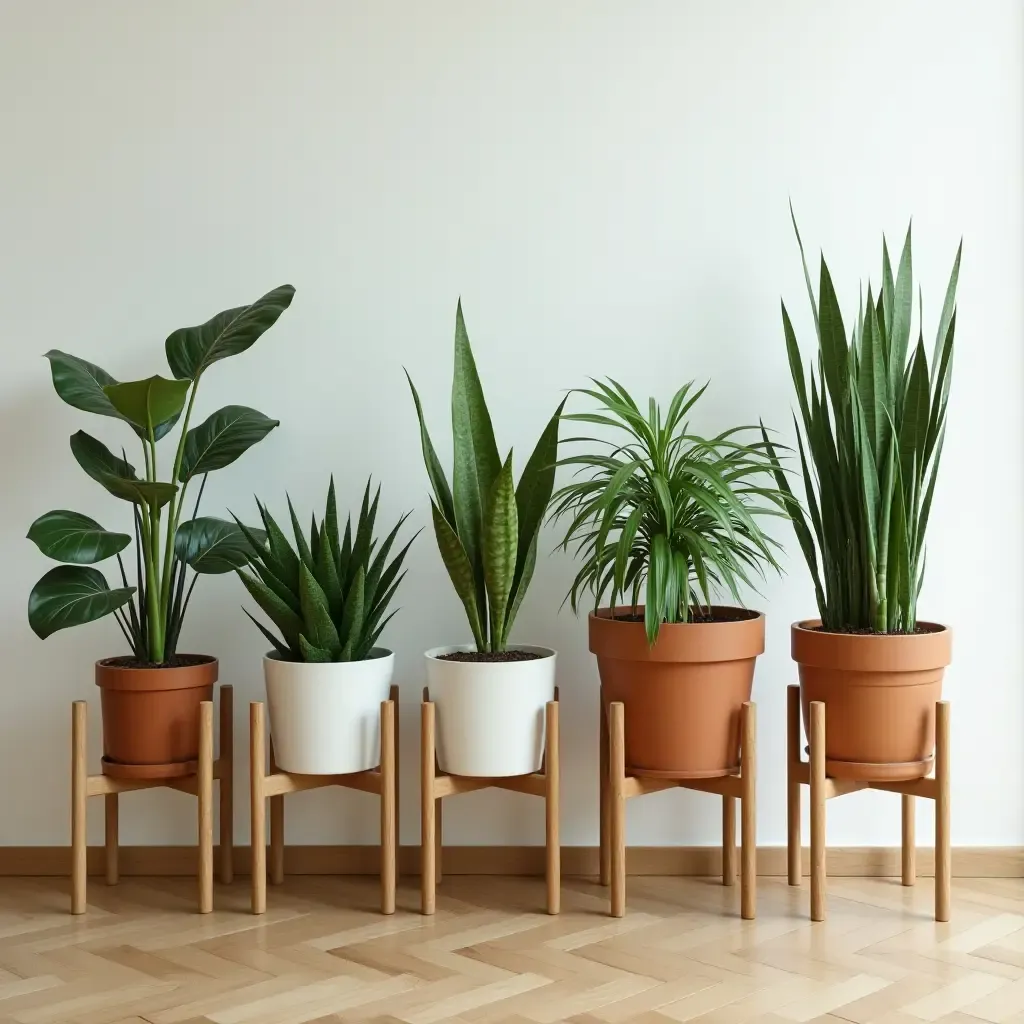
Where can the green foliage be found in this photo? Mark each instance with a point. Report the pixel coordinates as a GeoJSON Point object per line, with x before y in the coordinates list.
{"type": "Point", "coordinates": [150, 614]}
{"type": "Point", "coordinates": [871, 438]}
{"type": "Point", "coordinates": [327, 594]}
{"type": "Point", "coordinates": [663, 511]}
{"type": "Point", "coordinates": [486, 527]}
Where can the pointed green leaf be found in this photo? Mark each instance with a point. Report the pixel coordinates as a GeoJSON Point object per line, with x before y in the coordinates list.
{"type": "Point", "coordinates": [435, 472]}
{"type": "Point", "coordinates": [460, 571]}
{"type": "Point", "coordinates": [191, 350]}
{"type": "Point", "coordinates": [903, 305]}
{"type": "Point", "coordinates": [284, 618]}
{"type": "Point", "coordinates": [311, 654]}
{"type": "Point", "coordinates": [212, 546]}
{"type": "Point", "coordinates": [72, 537]}
{"type": "Point", "coordinates": [222, 438]}
{"type": "Point", "coordinates": [318, 627]}
{"type": "Point", "coordinates": [71, 595]}
{"type": "Point", "coordinates": [499, 549]}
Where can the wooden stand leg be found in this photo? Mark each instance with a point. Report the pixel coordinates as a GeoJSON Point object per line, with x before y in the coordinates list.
{"type": "Point", "coordinates": [728, 840]}
{"type": "Point", "coordinates": [396, 747]}
{"type": "Point", "coordinates": [110, 837]}
{"type": "Point", "coordinates": [257, 807]}
{"type": "Point", "coordinates": [204, 792]}
{"type": "Point", "coordinates": [793, 783]}
{"type": "Point", "coordinates": [605, 854]}
{"type": "Point", "coordinates": [909, 847]}
{"type": "Point", "coordinates": [438, 841]}
{"type": "Point", "coordinates": [227, 785]}
{"type": "Point", "coordinates": [817, 773]}
{"type": "Point", "coordinates": [748, 805]}
{"type": "Point", "coordinates": [943, 863]}
{"type": "Point", "coordinates": [552, 839]}
{"type": "Point", "coordinates": [617, 799]}
{"type": "Point", "coordinates": [276, 860]}
{"type": "Point", "coordinates": [388, 852]}
{"type": "Point", "coordinates": [79, 798]}
{"type": "Point", "coordinates": [427, 837]}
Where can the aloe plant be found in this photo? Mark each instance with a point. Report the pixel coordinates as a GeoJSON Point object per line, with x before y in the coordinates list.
{"type": "Point", "coordinates": [328, 594]}
{"type": "Point", "coordinates": [486, 525]}
{"type": "Point", "coordinates": [150, 614]}
{"type": "Point", "coordinates": [872, 424]}
{"type": "Point", "coordinates": [663, 511]}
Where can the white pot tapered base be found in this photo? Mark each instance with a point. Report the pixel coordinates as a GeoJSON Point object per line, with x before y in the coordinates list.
{"type": "Point", "coordinates": [490, 715]}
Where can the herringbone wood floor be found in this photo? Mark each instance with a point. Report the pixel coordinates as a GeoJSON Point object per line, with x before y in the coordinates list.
{"type": "Point", "coordinates": [323, 954]}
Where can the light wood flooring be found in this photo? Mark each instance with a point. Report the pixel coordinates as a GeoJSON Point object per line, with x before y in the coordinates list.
{"type": "Point", "coordinates": [323, 954]}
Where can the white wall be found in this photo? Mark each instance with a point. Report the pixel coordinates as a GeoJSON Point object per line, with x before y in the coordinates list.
{"type": "Point", "coordinates": [606, 186]}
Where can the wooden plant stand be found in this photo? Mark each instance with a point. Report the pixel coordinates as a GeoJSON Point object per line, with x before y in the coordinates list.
{"type": "Point", "coordinates": [435, 785]}
{"type": "Point", "coordinates": [273, 786]}
{"type": "Point", "coordinates": [199, 784]}
{"type": "Point", "coordinates": [619, 783]}
{"type": "Point", "coordinates": [811, 773]}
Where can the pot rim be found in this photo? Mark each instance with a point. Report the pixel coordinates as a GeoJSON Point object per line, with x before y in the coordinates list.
{"type": "Point", "coordinates": [158, 677]}
{"type": "Point", "coordinates": [386, 654]}
{"type": "Point", "coordinates": [810, 626]}
{"type": "Point", "coordinates": [602, 616]}
{"type": "Point", "coordinates": [434, 653]}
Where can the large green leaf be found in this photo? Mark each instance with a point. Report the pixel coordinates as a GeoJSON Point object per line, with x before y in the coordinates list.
{"type": "Point", "coordinates": [71, 595]}
{"type": "Point", "coordinates": [213, 546]}
{"type": "Point", "coordinates": [150, 402]}
{"type": "Point", "coordinates": [533, 494]}
{"type": "Point", "coordinates": [834, 354]}
{"type": "Point", "coordinates": [435, 472]}
{"type": "Point", "coordinates": [460, 571]}
{"type": "Point", "coordinates": [72, 537]}
{"type": "Point", "coordinates": [284, 617]}
{"type": "Point", "coordinates": [81, 383]}
{"type": "Point", "coordinates": [916, 409]}
{"type": "Point", "coordinates": [222, 438]}
{"type": "Point", "coordinates": [903, 305]}
{"type": "Point", "coordinates": [191, 350]}
{"type": "Point", "coordinates": [98, 460]}
{"type": "Point", "coordinates": [476, 454]}
{"type": "Point", "coordinates": [499, 548]}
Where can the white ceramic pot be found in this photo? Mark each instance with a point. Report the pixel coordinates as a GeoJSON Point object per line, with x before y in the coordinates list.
{"type": "Point", "coordinates": [325, 718]}
{"type": "Point", "coordinates": [490, 716]}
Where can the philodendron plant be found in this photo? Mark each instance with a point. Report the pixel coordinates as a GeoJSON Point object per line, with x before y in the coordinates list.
{"type": "Point", "coordinates": [873, 424]}
{"type": "Point", "coordinates": [328, 594]}
{"type": "Point", "coordinates": [150, 613]}
{"type": "Point", "coordinates": [486, 525]}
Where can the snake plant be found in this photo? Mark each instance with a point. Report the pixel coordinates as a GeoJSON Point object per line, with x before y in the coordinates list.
{"type": "Point", "coordinates": [486, 525]}
{"type": "Point", "coordinates": [872, 424]}
{"type": "Point", "coordinates": [663, 511]}
{"type": "Point", "coordinates": [328, 594]}
{"type": "Point", "coordinates": [150, 613]}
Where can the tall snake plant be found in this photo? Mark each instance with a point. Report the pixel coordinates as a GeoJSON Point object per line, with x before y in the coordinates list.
{"type": "Point", "coordinates": [486, 525]}
{"type": "Point", "coordinates": [873, 426]}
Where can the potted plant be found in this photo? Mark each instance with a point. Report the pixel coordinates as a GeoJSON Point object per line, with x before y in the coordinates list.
{"type": "Point", "coordinates": [873, 426]}
{"type": "Point", "coordinates": [491, 694]}
{"type": "Point", "coordinates": [327, 595]}
{"type": "Point", "coordinates": [662, 512]}
{"type": "Point", "coordinates": [150, 698]}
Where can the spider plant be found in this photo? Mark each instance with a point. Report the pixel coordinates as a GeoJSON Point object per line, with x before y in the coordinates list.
{"type": "Point", "coordinates": [663, 511]}
{"type": "Point", "coordinates": [167, 544]}
{"type": "Point", "coordinates": [873, 425]}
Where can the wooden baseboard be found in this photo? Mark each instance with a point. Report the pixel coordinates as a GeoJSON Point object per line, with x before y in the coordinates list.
{"type": "Point", "coordinates": [968, 862]}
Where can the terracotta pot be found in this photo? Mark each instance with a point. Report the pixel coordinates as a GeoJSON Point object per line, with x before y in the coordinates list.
{"type": "Point", "coordinates": [151, 717]}
{"type": "Point", "coordinates": [683, 696]}
{"type": "Point", "coordinates": [879, 693]}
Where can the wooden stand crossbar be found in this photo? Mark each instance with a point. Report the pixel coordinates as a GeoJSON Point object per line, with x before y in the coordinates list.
{"type": "Point", "coordinates": [811, 773]}
{"type": "Point", "coordinates": [273, 786]}
{"type": "Point", "coordinates": [435, 785]}
{"type": "Point", "coordinates": [200, 785]}
{"type": "Point", "coordinates": [618, 785]}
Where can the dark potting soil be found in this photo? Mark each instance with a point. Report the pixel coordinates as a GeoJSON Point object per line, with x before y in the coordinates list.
{"type": "Point", "coordinates": [177, 661]}
{"type": "Point", "coordinates": [867, 631]}
{"type": "Point", "coordinates": [489, 656]}
{"type": "Point", "coordinates": [723, 614]}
